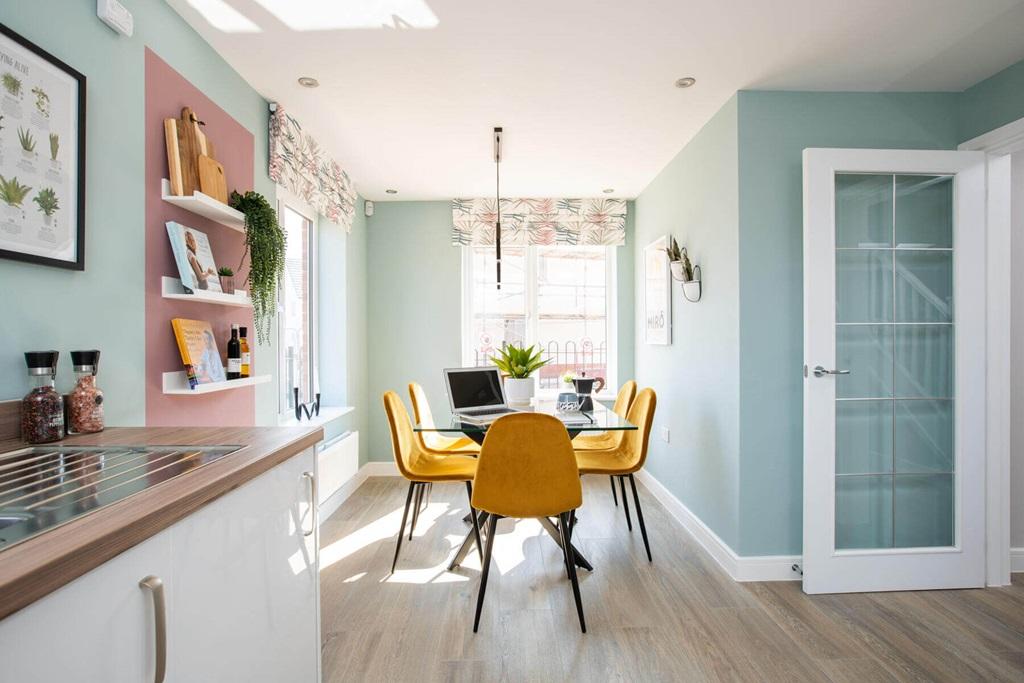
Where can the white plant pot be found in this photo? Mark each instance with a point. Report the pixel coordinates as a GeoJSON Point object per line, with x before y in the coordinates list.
{"type": "Point", "coordinates": [677, 270]}
{"type": "Point", "coordinates": [519, 392]}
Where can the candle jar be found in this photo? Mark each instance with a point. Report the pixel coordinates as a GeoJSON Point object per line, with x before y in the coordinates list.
{"type": "Point", "coordinates": [85, 402]}
{"type": "Point", "coordinates": [42, 409]}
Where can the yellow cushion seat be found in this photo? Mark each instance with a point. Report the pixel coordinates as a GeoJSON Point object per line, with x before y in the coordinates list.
{"type": "Point", "coordinates": [435, 442]}
{"type": "Point", "coordinates": [606, 440]}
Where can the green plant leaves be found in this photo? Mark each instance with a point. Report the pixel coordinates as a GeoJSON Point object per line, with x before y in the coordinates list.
{"type": "Point", "coordinates": [265, 244]}
{"type": "Point", "coordinates": [518, 362]}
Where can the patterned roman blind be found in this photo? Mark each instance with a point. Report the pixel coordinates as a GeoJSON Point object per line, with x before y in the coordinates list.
{"type": "Point", "coordinates": [540, 221]}
{"type": "Point", "coordinates": [298, 163]}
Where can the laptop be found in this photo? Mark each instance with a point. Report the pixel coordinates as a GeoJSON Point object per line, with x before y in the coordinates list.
{"type": "Point", "coordinates": [476, 394]}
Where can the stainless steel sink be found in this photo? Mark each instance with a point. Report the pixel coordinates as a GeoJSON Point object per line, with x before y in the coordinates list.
{"type": "Point", "coordinates": [41, 487]}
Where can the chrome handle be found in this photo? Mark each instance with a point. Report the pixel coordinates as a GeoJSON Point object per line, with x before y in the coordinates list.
{"type": "Point", "coordinates": [821, 372]}
{"type": "Point", "coordinates": [155, 586]}
{"type": "Point", "coordinates": [308, 476]}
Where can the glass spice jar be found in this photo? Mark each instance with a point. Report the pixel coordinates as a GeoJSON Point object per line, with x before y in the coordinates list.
{"type": "Point", "coordinates": [42, 409]}
{"type": "Point", "coordinates": [85, 402]}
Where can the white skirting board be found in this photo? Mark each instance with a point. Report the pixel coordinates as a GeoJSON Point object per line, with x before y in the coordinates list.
{"type": "Point", "coordinates": [1017, 560]}
{"type": "Point", "coordinates": [740, 568]}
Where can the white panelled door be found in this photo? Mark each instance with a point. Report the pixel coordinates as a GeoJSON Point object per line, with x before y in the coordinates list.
{"type": "Point", "coordinates": [894, 387]}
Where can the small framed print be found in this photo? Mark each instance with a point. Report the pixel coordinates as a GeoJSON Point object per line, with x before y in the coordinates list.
{"type": "Point", "coordinates": [657, 293]}
{"type": "Point", "coordinates": [42, 156]}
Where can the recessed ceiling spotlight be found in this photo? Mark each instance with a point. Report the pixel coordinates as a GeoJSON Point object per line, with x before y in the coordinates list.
{"type": "Point", "coordinates": [308, 82]}
{"type": "Point", "coordinates": [608, 190]}
{"type": "Point", "coordinates": [390, 191]}
{"type": "Point", "coordinates": [686, 82]}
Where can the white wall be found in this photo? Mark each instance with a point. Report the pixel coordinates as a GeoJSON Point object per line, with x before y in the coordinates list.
{"type": "Point", "coordinates": [1017, 358]}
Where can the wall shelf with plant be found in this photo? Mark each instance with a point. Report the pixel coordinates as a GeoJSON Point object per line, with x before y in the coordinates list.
{"type": "Point", "coordinates": [205, 206]}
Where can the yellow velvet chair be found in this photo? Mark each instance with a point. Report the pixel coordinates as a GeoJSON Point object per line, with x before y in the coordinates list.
{"type": "Point", "coordinates": [435, 442]}
{"type": "Point", "coordinates": [606, 440]}
{"type": "Point", "coordinates": [423, 468]}
{"type": "Point", "coordinates": [627, 457]}
{"type": "Point", "coordinates": [527, 469]}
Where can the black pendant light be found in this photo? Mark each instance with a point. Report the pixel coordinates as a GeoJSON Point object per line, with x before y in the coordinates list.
{"type": "Point", "coordinates": [497, 201]}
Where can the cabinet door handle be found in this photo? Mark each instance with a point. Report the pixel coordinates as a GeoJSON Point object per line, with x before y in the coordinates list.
{"type": "Point", "coordinates": [156, 587]}
{"type": "Point", "coordinates": [308, 476]}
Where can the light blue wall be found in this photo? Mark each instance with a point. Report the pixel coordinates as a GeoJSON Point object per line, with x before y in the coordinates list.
{"type": "Point", "coordinates": [774, 129]}
{"type": "Point", "coordinates": [415, 306]}
{"type": "Point", "coordinates": [414, 309]}
{"type": "Point", "coordinates": [102, 307]}
{"type": "Point", "coordinates": [695, 198]}
{"type": "Point", "coordinates": [994, 102]}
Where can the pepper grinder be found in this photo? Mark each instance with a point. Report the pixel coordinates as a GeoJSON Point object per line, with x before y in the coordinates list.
{"type": "Point", "coordinates": [85, 402]}
{"type": "Point", "coordinates": [42, 409]}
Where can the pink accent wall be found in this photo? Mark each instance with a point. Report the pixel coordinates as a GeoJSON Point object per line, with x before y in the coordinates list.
{"type": "Point", "coordinates": [166, 93]}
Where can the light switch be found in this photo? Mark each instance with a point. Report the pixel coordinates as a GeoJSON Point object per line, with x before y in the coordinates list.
{"type": "Point", "coordinates": [664, 434]}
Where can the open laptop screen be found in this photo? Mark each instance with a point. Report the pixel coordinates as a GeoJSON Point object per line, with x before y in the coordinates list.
{"type": "Point", "coordinates": [474, 388]}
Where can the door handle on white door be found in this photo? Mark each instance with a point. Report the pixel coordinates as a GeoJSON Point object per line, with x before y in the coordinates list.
{"type": "Point", "coordinates": [819, 371]}
{"type": "Point", "coordinates": [156, 587]}
{"type": "Point", "coordinates": [313, 502]}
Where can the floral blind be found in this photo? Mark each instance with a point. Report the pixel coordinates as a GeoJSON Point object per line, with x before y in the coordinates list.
{"type": "Point", "coordinates": [540, 221]}
{"type": "Point", "coordinates": [299, 164]}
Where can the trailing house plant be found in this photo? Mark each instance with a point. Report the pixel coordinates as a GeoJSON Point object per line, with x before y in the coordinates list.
{"type": "Point", "coordinates": [679, 262]}
{"type": "Point", "coordinates": [518, 364]}
{"type": "Point", "coordinates": [12, 192]}
{"type": "Point", "coordinates": [28, 143]}
{"type": "Point", "coordinates": [46, 198]}
{"type": "Point", "coordinates": [265, 244]}
{"type": "Point", "coordinates": [227, 279]}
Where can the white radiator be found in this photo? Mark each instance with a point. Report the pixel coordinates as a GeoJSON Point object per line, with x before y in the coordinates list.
{"type": "Point", "coordinates": [337, 463]}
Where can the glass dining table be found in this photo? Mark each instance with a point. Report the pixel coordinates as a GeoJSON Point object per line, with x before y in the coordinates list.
{"type": "Point", "coordinates": [600, 419]}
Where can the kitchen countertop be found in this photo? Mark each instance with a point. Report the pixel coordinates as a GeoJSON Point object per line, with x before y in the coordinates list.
{"type": "Point", "coordinates": [40, 565]}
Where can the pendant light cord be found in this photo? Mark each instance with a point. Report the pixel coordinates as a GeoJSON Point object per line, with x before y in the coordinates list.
{"type": "Point", "coordinates": [497, 197]}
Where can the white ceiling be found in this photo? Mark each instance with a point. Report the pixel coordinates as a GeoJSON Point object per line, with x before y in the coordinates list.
{"type": "Point", "coordinates": [410, 89]}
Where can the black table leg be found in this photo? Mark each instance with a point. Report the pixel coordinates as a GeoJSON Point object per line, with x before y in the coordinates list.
{"type": "Point", "coordinates": [553, 532]}
{"type": "Point", "coordinates": [467, 543]}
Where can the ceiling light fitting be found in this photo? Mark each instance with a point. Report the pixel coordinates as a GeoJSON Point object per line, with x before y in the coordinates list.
{"type": "Point", "coordinates": [686, 82]}
{"type": "Point", "coordinates": [608, 190]}
{"type": "Point", "coordinates": [390, 191]}
{"type": "Point", "coordinates": [308, 82]}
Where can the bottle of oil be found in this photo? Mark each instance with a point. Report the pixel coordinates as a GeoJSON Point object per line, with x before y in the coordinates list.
{"type": "Point", "coordinates": [234, 355]}
{"type": "Point", "coordinates": [243, 342]}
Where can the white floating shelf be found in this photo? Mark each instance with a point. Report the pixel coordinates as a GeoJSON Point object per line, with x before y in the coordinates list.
{"type": "Point", "coordinates": [206, 206]}
{"type": "Point", "coordinates": [171, 288]}
{"type": "Point", "coordinates": [176, 384]}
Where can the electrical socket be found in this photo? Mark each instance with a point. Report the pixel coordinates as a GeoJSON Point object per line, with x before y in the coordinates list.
{"type": "Point", "coordinates": [665, 434]}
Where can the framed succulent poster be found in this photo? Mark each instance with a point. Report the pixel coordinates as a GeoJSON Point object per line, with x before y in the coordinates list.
{"type": "Point", "coordinates": [657, 293]}
{"type": "Point", "coordinates": [42, 156]}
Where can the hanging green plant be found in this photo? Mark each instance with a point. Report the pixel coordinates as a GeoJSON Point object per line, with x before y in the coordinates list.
{"type": "Point", "coordinates": [265, 244]}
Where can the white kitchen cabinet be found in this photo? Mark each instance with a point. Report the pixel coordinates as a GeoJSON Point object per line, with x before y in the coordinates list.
{"type": "Point", "coordinates": [252, 614]}
{"type": "Point", "coordinates": [99, 627]}
{"type": "Point", "coordinates": [241, 588]}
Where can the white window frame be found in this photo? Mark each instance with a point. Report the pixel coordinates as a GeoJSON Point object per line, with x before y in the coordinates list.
{"type": "Point", "coordinates": [611, 313]}
{"type": "Point", "coordinates": [292, 201]}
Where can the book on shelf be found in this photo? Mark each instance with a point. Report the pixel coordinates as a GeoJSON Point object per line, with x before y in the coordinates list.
{"type": "Point", "coordinates": [194, 257]}
{"type": "Point", "coordinates": [199, 354]}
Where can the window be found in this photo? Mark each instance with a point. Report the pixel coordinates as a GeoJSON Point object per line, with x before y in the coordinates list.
{"type": "Point", "coordinates": [296, 308]}
{"type": "Point", "coordinates": [558, 297]}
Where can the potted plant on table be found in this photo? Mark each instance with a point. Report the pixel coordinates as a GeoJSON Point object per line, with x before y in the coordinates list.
{"type": "Point", "coordinates": [518, 364]}
{"type": "Point", "coordinates": [227, 279]}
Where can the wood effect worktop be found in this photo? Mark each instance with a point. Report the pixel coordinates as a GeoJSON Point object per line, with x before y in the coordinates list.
{"type": "Point", "coordinates": [38, 566]}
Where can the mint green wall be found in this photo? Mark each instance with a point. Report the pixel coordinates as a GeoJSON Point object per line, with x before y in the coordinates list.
{"type": "Point", "coordinates": [103, 307]}
{"type": "Point", "coordinates": [415, 306]}
{"type": "Point", "coordinates": [774, 129]}
{"type": "Point", "coordinates": [696, 199]}
{"type": "Point", "coordinates": [994, 102]}
{"type": "Point", "coordinates": [342, 325]}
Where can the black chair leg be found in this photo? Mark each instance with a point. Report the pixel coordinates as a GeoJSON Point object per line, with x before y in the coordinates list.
{"type": "Point", "coordinates": [401, 530]}
{"type": "Point", "coordinates": [640, 517]}
{"type": "Point", "coordinates": [564, 527]}
{"type": "Point", "coordinates": [625, 506]}
{"type": "Point", "coordinates": [419, 499]}
{"type": "Point", "coordinates": [492, 522]}
{"type": "Point", "coordinates": [476, 522]}
{"type": "Point", "coordinates": [615, 496]}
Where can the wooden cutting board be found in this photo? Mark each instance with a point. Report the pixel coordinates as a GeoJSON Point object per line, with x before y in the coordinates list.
{"type": "Point", "coordinates": [188, 151]}
{"type": "Point", "coordinates": [173, 156]}
{"type": "Point", "coordinates": [211, 179]}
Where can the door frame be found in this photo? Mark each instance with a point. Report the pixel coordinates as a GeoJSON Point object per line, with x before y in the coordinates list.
{"type": "Point", "coordinates": [998, 144]}
{"type": "Point", "coordinates": [966, 565]}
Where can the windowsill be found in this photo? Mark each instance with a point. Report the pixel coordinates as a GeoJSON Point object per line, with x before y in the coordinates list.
{"type": "Point", "coordinates": [327, 414]}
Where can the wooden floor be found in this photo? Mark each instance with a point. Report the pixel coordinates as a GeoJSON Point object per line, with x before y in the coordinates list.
{"type": "Point", "coordinates": [678, 619]}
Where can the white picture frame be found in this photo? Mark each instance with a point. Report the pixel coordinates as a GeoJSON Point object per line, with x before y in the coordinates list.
{"type": "Point", "coordinates": [657, 293]}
